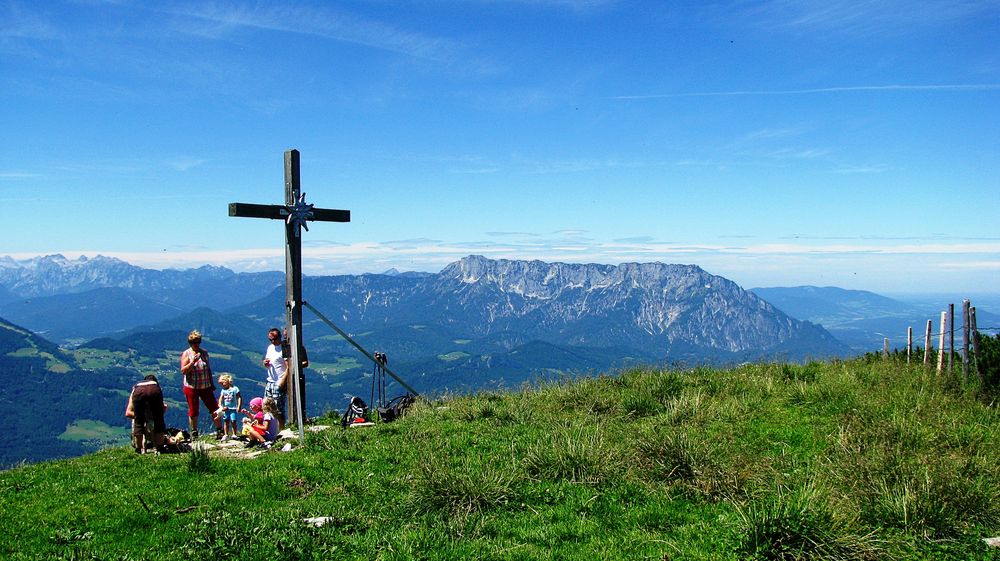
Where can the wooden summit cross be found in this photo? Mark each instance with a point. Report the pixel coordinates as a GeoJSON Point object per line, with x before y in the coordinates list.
{"type": "Point", "coordinates": [295, 212]}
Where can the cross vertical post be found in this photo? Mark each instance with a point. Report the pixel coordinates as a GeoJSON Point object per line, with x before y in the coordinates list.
{"type": "Point", "coordinates": [293, 291]}
{"type": "Point", "coordinates": [295, 212]}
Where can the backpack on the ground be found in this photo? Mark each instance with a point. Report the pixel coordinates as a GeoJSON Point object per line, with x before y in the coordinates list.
{"type": "Point", "coordinates": [396, 408]}
{"type": "Point", "coordinates": [357, 412]}
{"type": "Point", "coordinates": [182, 444]}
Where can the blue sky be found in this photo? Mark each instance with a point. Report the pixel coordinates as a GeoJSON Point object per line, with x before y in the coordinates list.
{"type": "Point", "coordinates": [775, 143]}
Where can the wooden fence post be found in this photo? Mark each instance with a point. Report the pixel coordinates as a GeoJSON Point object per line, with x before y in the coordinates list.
{"type": "Point", "coordinates": [927, 343]}
{"type": "Point", "coordinates": [940, 364]}
{"type": "Point", "coordinates": [909, 343]}
{"type": "Point", "coordinates": [975, 343]}
{"type": "Point", "coordinates": [885, 349]}
{"type": "Point", "coordinates": [951, 335]}
{"type": "Point", "coordinates": [965, 339]}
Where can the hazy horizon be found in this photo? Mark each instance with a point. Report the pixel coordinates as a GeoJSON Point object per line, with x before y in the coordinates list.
{"type": "Point", "coordinates": [992, 298]}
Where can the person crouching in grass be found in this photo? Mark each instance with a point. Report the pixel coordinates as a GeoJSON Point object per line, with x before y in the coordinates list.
{"type": "Point", "coordinates": [145, 407]}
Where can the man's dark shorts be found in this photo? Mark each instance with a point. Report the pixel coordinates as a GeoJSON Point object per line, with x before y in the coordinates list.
{"type": "Point", "coordinates": [272, 390]}
{"type": "Point", "coordinates": [147, 403]}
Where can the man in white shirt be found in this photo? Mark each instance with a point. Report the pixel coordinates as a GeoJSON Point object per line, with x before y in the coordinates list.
{"type": "Point", "coordinates": [277, 373]}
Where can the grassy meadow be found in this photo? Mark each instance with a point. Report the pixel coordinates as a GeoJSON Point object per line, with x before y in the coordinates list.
{"type": "Point", "coordinates": [844, 460]}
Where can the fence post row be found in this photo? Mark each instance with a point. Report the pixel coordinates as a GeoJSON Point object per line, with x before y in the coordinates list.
{"type": "Point", "coordinates": [970, 336]}
{"type": "Point", "coordinates": [975, 345]}
{"type": "Point", "coordinates": [965, 339]}
{"type": "Point", "coordinates": [927, 343]}
{"type": "Point", "coordinates": [909, 343]}
{"type": "Point", "coordinates": [951, 335]}
{"type": "Point", "coordinates": [940, 364]}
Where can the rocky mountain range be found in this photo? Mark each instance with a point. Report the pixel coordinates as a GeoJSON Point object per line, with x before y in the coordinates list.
{"type": "Point", "coordinates": [186, 289]}
{"type": "Point", "coordinates": [661, 312]}
{"type": "Point", "coordinates": [478, 323]}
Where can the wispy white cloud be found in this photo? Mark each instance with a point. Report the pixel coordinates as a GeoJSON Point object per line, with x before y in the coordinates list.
{"type": "Point", "coordinates": [411, 243]}
{"type": "Point", "coordinates": [323, 22]}
{"type": "Point", "coordinates": [772, 144]}
{"type": "Point", "coordinates": [971, 265]}
{"type": "Point", "coordinates": [866, 17]}
{"type": "Point", "coordinates": [322, 243]}
{"type": "Point", "coordinates": [570, 233]}
{"type": "Point", "coordinates": [475, 171]}
{"type": "Point", "coordinates": [517, 234]}
{"type": "Point", "coordinates": [636, 240]}
{"type": "Point", "coordinates": [873, 248]}
{"type": "Point", "coordinates": [554, 166]}
{"type": "Point", "coordinates": [18, 175]}
{"type": "Point", "coordinates": [808, 91]}
{"type": "Point", "coordinates": [517, 100]}
{"type": "Point", "coordinates": [69, 87]}
{"type": "Point", "coordinates": [184, 164]}
{"type": "Point", "coordinates": [855, 170]}
{"type": "Point", "coordinates": [796, 153]}
{"type": "Point", "coordinates": [20, 23]}
{"type": "Point", "coordinates": [132, 47]}
{"type": "Point", "coordinates": [708, 163]}
{"type": "Point", "coordinates": [585, 7]}
{"type": "Point", "coordinates": [771, 133]}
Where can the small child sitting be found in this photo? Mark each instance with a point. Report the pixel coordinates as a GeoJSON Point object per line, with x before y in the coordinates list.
{"type": "Point", "coordinates": [264, 427]}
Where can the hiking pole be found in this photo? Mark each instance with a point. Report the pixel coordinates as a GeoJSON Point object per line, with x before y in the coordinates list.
{"type": "Point", "coordinates": [371, 397]}
{"type": "Point", "coordinates": [359, 347]}
{"type": "Point", "coordinates": [380, 361]}
{"type": "Point", "coordinates": [378, 381]}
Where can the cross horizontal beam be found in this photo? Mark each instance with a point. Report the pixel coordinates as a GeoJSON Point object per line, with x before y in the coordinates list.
{"type": "Point", "coordinates": [280, 212]}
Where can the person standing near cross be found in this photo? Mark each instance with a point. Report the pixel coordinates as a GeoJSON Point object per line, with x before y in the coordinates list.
{"type": "Point", "coordinates": [277, 374]}
{"type": "Point", "coordinates": [286, 352]}
{"type": "Point", "coordinates": [198, 384]}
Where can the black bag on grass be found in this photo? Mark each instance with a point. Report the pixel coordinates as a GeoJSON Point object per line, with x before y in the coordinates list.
{"type": "Point", "coordinates": [357, 411]}
{"type": "Point", "coordinates": [182, 444]}
{"type": "Point", "coordinates": [396, 408]}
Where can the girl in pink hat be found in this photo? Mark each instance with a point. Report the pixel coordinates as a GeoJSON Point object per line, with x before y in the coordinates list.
{"type": "Point", "coordinates": [264, 427]}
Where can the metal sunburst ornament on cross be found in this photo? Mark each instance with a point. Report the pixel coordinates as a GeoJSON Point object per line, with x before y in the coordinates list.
{"type": "Point", "coordinates": [299, 213]}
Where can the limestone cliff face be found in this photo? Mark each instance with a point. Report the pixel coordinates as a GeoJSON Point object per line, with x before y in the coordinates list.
{"type": "Point", "coordinates": [656, 308]}
{"type": "Point", "coordinates": [648, 304]}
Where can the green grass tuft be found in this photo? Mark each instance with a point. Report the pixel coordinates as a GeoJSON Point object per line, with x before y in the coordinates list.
{"type": "Point", "coordinates": [801, 524]}
{"type": "Point", "coordinates": [198, 460]}
{"type": "Point", "coordinates": [460, 489]}
{"type": "Point", "coordinates": [579, 454]}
